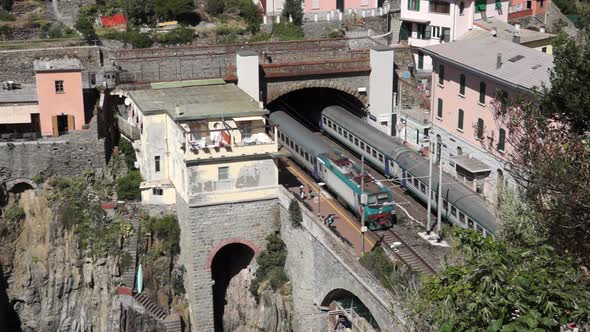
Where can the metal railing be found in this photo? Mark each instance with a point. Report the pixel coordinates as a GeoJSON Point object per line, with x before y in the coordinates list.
{"type": "Point", "coordinates": [359, 323]}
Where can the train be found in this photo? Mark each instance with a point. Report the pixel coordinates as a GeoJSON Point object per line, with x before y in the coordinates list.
{"type": "Point", "coordinates": [342, 176]}
{"type": "Point", "coordinates": [461, 206]}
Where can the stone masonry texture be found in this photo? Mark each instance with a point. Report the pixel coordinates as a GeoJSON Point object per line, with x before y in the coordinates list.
{"type": "Point", "coordinates": [204, 230]}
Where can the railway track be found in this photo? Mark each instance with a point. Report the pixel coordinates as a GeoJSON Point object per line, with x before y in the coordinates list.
{"type": "Point", "coordinates": [404, 252]}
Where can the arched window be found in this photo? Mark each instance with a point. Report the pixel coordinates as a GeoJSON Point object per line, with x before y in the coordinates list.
{"type": "Point", "coordinates": [459, 151]}
{"type": "Point", "coordinates": [439, 111]}
{"type": "Point", "coordinates": [460, 120]}
{"type": "Point", "coordinates": [482, 92]}
{"type": "Point", "coordinates": [462, 81]}
{"type": "Point", "coordinates": [479, 131]}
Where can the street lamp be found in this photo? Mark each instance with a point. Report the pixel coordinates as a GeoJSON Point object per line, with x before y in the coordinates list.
{"type": "Point", "coordinates": [320, 185]}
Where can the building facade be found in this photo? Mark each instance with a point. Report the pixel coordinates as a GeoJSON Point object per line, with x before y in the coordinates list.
{"type": "Point", "coordinates": [525, 8]}
{"type": "Point", "coordinates": [275, 7]}
{"type": "Point", "coordinates": [426, 23]}
{"type": "Point", "coordinates": [470, 84]}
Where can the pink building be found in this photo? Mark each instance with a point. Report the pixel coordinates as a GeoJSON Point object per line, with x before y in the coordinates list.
{"type": "Point", "coordinates": [524, 8]}
{"type": "Point", "coordinates": [60, 98]}
{"type": "Point", "coordinates": [471, 78]}
{"type": "Point", "coordinates": [275, 7]}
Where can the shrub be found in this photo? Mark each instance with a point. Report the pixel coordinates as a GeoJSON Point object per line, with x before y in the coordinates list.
{"type": "Point", "coordinates": [6, 4]}
{"type": "Point", "coordinates": [334, 34]}
{"type": "Point", "coordinates": [295, 213]}
{"type": "Point", "coordinates": [172, 9]}
{"type": "Point", "coordinates": [249, 11]}
{"type": "Point", "coordinates": [293, 8]}
{"type": "Point", "coordinates": [37, 179]}
{"type": "Point", "coordinates": [139, 39]}
{"type": "Point", "coordinates": [215, 7]}
{"type": "Point", "coordinates": [167, 231]}
{"type": "Point", "coordinates": [277, 278]}
{"type": "Point", "coordinates": [287, 31]}
{"type": "Point", "coordinates": [14, 213]}
{"type": "Point", "coordinates": [6, 16]}
{"type": "Point", "coordinates": [126, 148]}
{"type": "Point", "coordinates": [180, 35]}
{"type": "Point", "coordinates": [85, 27]}
{"type": "Point", "coordinates": [260, 37]}
{"type": "Point", "coordinates": [5, 31]}
{"type": "Point", "coordinates": [271, 263]}
{"type": "Point", "coordinates": [128, 186]}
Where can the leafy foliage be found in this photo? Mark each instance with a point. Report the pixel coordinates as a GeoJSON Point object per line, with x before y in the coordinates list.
{"type": "Point", "coordinates": [166, 231]}
{"type": "Point", "coordinates": [215, 7]}
{"type": "Point", "coordinates": [13, 213]}
{"type": "Point", "coordinates": [128, 186]}
{"type": "Point", "coordinates": [287, 31]}
{"type": "Point", "coordinates": [85, 27]}
{"type": "Point", "coordinates": [126, 148]}
{"type": "Point", "coordinates": [293, 9]}
{"type": "Point", "coordinates": [6, 16]}
{"type": "Point", "coordinates": [172, 9]}
{"type": "Point", "coordinates": [295, 213]}
{"type": "Point", "coordinates": [271, 264]}
{"type": "Point", "coordinates": [249, 11]}
{"type": "Point", "coordinates": [179, 35]}
{"type": "Point", "coordinates": [502, 287]}
{"type": "Point", "coordinates": [140, 11]}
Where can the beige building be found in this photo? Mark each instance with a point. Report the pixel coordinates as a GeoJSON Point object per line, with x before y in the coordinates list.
{"type": "Point", "coordinates": [208, 144]}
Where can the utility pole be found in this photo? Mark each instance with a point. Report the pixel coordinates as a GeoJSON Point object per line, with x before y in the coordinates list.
{"type": "Point", "coordinates": [439, 208]}
{"type": "Point", "coordinates": [363, 204]}
{"type": "Point", "coordinates": [428, 214]}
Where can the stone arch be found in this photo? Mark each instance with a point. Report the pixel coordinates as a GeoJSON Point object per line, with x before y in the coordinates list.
{"type": "Point", "coordinates": [378, 311]}
{"type": "Point", "coordinates": [19, 184]}
{"type": "Point", "coordinates": [229, 241]}
{"type": "Point", "coordinates": [325, 84]}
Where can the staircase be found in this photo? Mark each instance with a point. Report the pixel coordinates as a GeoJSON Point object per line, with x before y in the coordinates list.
{"type": "Point", "coordinates": [128, 276]}
{"type": "Point", "coordinates": [152, 309]}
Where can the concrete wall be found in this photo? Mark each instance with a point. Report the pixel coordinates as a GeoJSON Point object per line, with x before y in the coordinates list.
{"type": "Point", "coordinates": [205, 230]}
{"type": "Point", "coordinates": [317, 263]}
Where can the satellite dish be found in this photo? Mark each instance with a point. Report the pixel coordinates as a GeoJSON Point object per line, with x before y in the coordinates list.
{"type": "Point", "coordinates": [127, 101]}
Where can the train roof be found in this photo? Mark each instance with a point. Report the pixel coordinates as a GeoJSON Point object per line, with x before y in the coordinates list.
{"type": "Point", "coordinates": [453, 191]}
{"type": "Point", "coordinates": [299, 133]}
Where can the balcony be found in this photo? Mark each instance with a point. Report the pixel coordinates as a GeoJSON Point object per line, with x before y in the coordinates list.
{"type": "Point", "coordinates": [233, 138]}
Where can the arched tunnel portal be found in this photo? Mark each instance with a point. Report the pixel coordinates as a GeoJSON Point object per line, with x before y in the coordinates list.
{"type": "Point", "coordinates": [350, 301]}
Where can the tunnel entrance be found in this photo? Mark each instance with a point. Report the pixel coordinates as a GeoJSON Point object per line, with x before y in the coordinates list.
{"type": "Point", "coordinates": [306, 105]}
{"type": "Point", "coordinates": [349, 302]}
{"type": "Point", "coordinates": [227, 263]}
{"type": "Point", "coordinates": [20, 188]}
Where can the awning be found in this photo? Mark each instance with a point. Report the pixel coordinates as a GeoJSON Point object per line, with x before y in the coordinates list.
{"type": "Point", "coordinates": [472, 165]}
{"type": "Point", "coordinates": [417, 20]}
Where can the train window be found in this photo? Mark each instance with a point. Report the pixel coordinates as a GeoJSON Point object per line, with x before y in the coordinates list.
{"type": "Point", "coordinates": [462, 217]}
{"type": "Point", "coordinates": [380, 157]}
{"type": "Point", "coordinates": [325, 120]}
{"type": "Point", "coordinates": [362, 146]}
{"type": "Point", "coordinates": [374, 153]}
{"type": "Point", "coordinates": [415, 181]}
{"type": "Point", "coordinates": [470, 223]}
{"type": "Point", "coordinates": [356, 141]}
{"type": "Point", "coordinates": [445, 204]}
{"type": "Point", "coordinates": [339, 130]}
{"type": "Point", "coordinates": [368, 149]}
{"type": "Point", "coordinates": [297, 149]}
{"type": "Point", "coordinates": [479, 229]}
{"type": "Point", "coordinates": [453, 211]}
{"type": "Point", "coordinates": [307, 157]}
{"type": "Point", "coordinates": [345, 134]}
{"type": "Point", "coordinates": [350, 137]}
{"type": "Point", "coordinates": [292, 145]}
{"type": "Point", "coordinates": [422, 188]}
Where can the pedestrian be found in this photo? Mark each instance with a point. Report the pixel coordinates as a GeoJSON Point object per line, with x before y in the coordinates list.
{"type": "Point", "coordinates": [330, 220]}
{"type": "Point", "coordinates": [310, 193]}
{"type": "Point", "coordinates": [421, 149]}
{"type": "Point", "coordinates": [302, 192]}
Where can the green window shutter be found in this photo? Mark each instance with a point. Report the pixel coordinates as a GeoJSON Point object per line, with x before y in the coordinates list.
{"type": "Point", "coordinates": [420, 60]}
{"type": "Point", "coordinates": [460, 123]}
{"type": "Point", "coordinates": [439, 112]}
{"type": "Point", "coordinates": [462, 84]}
{"type": "Point", "coordinates": [409, 4]}
{"type": "Point", "coordinates": [441, 74]}
{"type": "Point", "coordinates": [501, 139]}
{"type": "Point", "coordinates": [418, 5]}
{"type": "Point", "coordinates": [482, 92]}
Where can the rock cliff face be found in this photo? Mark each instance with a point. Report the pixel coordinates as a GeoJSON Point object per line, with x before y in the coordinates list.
{"type": "Point", "coordinates": [272, 313]}
{"type": "Point", "coordinates": [50, 285]}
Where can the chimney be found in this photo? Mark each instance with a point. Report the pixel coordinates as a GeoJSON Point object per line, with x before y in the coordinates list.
{"type": "Point", "coordinates": [499, 61]}
{"type": "Point", "coordinates": [516, 37]}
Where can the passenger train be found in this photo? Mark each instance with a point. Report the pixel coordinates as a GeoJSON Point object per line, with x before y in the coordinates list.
{"type": "Point", "coordinates": [340, 174]}
{"type": "Point", "coordinates": [461, 206]}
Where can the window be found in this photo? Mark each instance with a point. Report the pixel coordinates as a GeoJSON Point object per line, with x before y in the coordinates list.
{"type": "Point", "coordinates": [460, 120]}
{"type": "Point", "coordinates": [435, 31]}
{"type": "Point", "coordinates": [415, 180]}
{"type": "Point", "coordinates": [368, 149]}
{"type": "Point", "coordinates": [422, 188]}
{"type": "Point", "coordinates": [462, 217]}
{"type": "Point", "coordinates": [157, 191]}
{"type": "Point", "coordinates": [414, 5]}
{"type": "Point", "coordinates": [529, 4]}
{"type": "Point", "coordinates": [356, 141]}
{"type": "Point", "coordinates": [223, 173]}
{"type": "Point", "coordinates": [462, 81]}
{"type": "Point", "coordinates": [479, 229]}
{"type": "Point", "coordinates": [362, 146]}
{"type": "Point", "coordinates": [315, 4]}
{"type": "Point", "coordinates": [453, 211]}
{"type": "Point", "coordinates": [441, 74]}
{"type": "Point", "coordinates": [350, 138]}
{"type": "Point", "coordinates": [339, 131]}
{"type": "Point", "coordinates": [329, 123]}
{"type": "Point", "coordinates": [461, 7]}
{"type": "Point", "coordinates": [501, 140]}
{"type": "Point", "coordinates": [544, 49]}
{"type": "Point", "coordinates": [59, 86]}
{"type": "Point", "coordinates": [345, 134]}
{"type": "Point", "coordinates": [422, 31]}
{"type": "Point", "coordinates": [541, 3]}
{"type": "Point", "coordinates": [420, 60]}
{"type": "Point", "coordinates": [482, 93]}
{"type": "Point", "coordinates": [441, 7]}
{"type": "Point", "coordinates": [479, 132]}
{"type": "Point", "coordinates": [380, 157]}
{"type": "Point", "coordinates": [374, 153]}
{"type": "Point", "coordinates": [324, 120]}
{"type": "Point", "coordinates": [439, 111]}
{"type": "Point", "coordinates": [445, 204]}
{"type": "Point", "coordinates": [157, 163]}
{"type": "Point", "coordinates": [470, 223]}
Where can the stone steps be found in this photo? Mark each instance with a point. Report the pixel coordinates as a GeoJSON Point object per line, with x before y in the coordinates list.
{"type": "Point", "coordinates": [128, 276]}
{"type": "Point", "coordinates": [153, 309]}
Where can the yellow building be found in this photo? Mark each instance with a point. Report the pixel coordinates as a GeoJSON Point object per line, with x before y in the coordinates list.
{"type": "Point", "coordinates": [208, 144]}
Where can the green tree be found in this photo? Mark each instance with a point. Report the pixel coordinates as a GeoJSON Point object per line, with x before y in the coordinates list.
{"type": "Point", "coordinates": [128, 186]}
{"type": "Point", "coordinates": [271, 264]}
{"type": "Point", "coordinates": [86, 28]}
{"type": "Point", "coordinates": [293, 9]}
{"type": "Point", "coordinates": [295, 213]}
{"type": "Point", "coordinates": [172, 9]}
{"type": "Point", "coordinates": [6, 4]}
{"type": "Point", "coordinates": [215, 7]}
{"type": "Point", "coordinates": [140, 11]}
{"type": "Point", "coordinates": [499, 287]}
{"type": "Point", "coordinates": [249, 11]}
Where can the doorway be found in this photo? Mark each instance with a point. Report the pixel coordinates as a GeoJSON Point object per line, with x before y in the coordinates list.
{"type": "Point", "coordinates": [340, 5]}
{"type": "Point", "coordinates": [62, 124]}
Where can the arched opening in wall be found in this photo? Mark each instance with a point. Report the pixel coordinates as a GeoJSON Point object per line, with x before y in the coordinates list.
{"type": "Point", "coordinates": [227, 263]}
{"type": "Point", "coordinates": [306, 105]}
{"type": "Point", "coordinates": [349, 302]}
{"type": "Point", "coordinates": [20, 187]}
